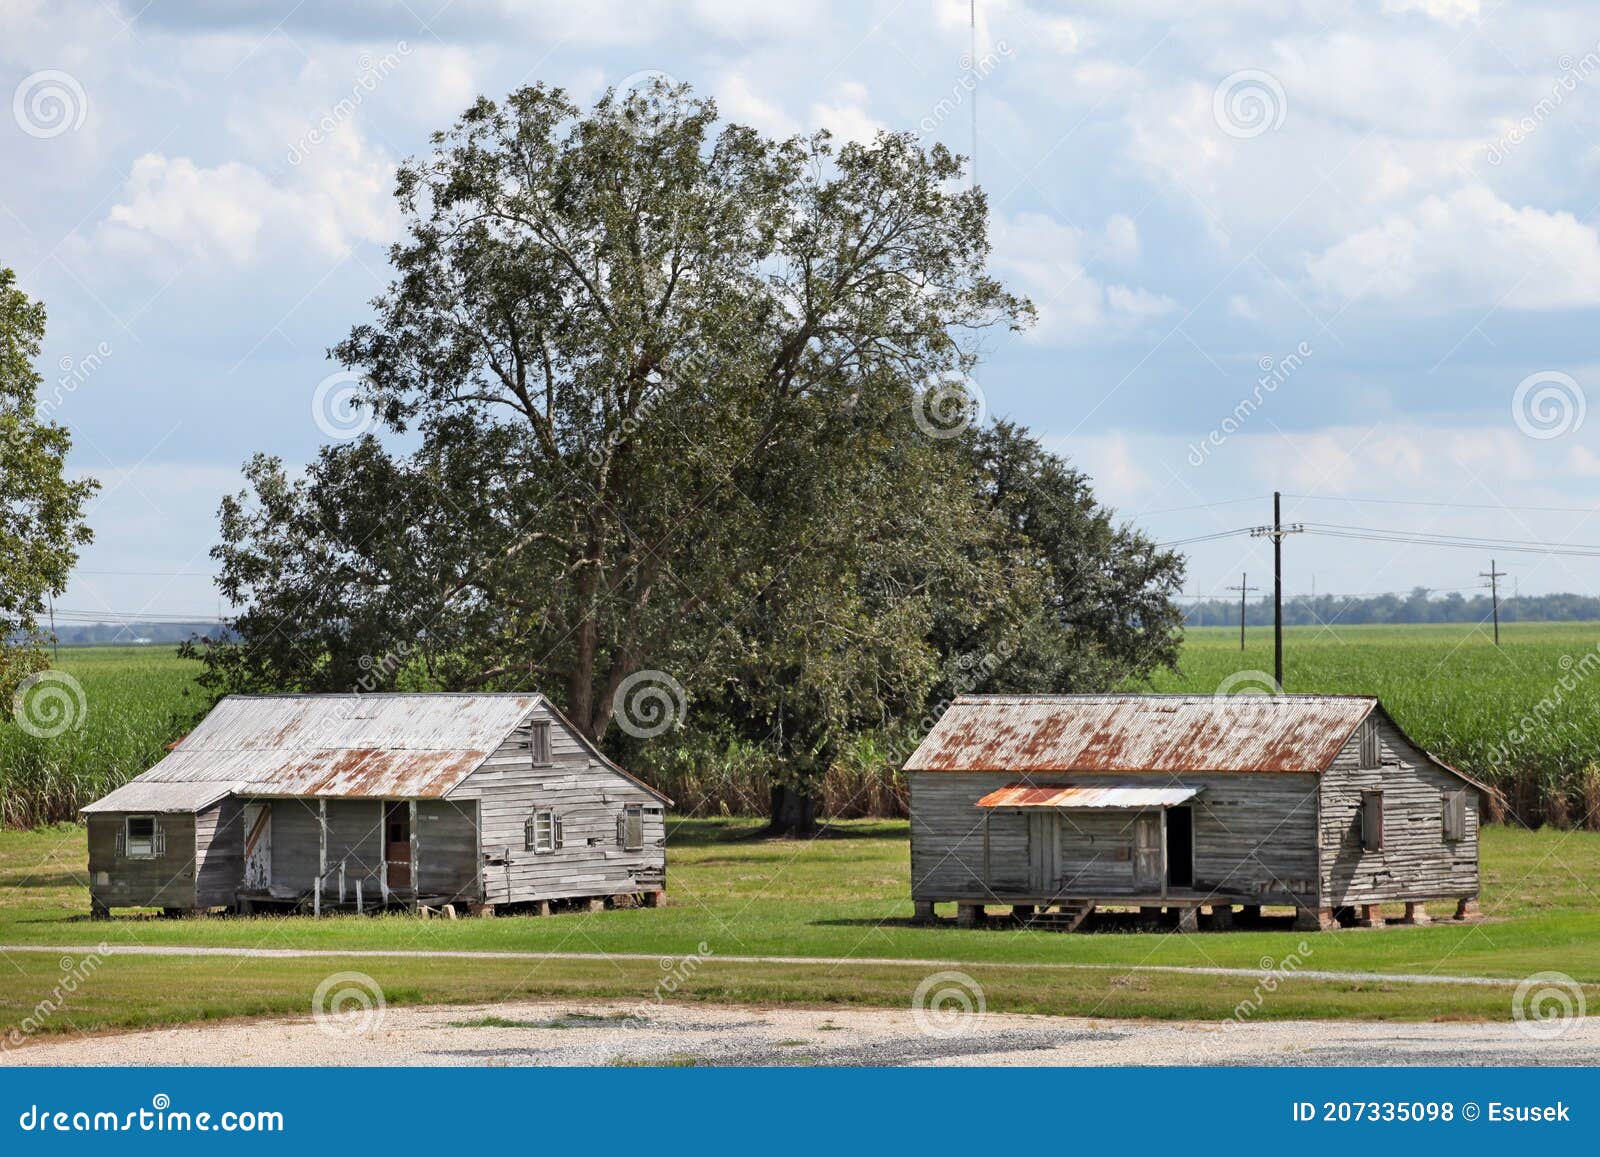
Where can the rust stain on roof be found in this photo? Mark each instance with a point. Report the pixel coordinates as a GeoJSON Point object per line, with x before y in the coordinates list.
{"type": "Point", "coordinates": [1131, 733]}
{"type": "Point", "coordinates": [1029, 795]}
{"type": "Point", "coordinates": [344, 746]}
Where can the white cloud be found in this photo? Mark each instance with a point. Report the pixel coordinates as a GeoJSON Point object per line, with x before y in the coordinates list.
{"type": "Point", "coordinates": [737, 101]}
{"type": "Point", "coordinates": [232, 213]}
{"type": "Point", "coordinates": [1446, 11]}
{"type": "Point", "coordinates": [847, 117]}
{"type": "Point", "coordinates": [1468, 247]}
{"type": "Point", "coordinates": [1049, 262]}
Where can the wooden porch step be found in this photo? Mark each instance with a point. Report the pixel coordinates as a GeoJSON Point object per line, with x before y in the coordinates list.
{"type": "Point", "coordinates": [1065, 918]}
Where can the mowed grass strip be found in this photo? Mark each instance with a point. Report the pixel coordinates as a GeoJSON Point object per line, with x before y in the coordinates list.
{"type": "Point", "coordinates": [848, 896]}
{"type": "Point", "coordinates": [126, 992]}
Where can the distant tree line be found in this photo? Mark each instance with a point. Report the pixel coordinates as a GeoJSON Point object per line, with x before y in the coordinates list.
{"type": "Point", "coordinates": [1419, 606]}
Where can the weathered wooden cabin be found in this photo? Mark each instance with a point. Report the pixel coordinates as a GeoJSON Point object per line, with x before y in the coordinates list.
{"type": "Point", "coordinates": [352, 802]}
{"type": "Point", "coordinates": [1058, 805]}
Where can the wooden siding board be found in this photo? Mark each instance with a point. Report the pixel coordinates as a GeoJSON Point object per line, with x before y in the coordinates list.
{"type": "Point", "coordinates": [588, 796]}
{"type": "Point", "coordinates": [166, 881]}
{"type": "Point", "coordinates": [1416, 861]}
{"type": "Point", "coordinates": [1254, 834]}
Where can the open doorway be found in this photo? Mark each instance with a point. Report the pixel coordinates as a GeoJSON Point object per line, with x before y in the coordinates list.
{"type": "Point", "coordinates": [397, 845]}
{"type": "Point", "coordinates": [1180, 847]}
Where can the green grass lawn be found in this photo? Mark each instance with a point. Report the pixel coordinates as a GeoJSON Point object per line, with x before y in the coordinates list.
{"type": "Point", "coordinates": [839, 896]}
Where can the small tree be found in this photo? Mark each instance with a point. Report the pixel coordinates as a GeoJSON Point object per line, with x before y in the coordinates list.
{"type": "Point", "coordinates": [41, 510]}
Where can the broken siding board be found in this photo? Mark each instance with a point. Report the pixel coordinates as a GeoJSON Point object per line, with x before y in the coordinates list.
{"type": "Point", "coordinates": [588, 796]}
{"type": "Point", "coordinates": [1416, 862]}
{"type": "Point", "coordinates": [219, 854]}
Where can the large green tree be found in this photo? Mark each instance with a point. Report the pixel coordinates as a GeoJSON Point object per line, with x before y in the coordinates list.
{"type": "Point", "coordinates": [41, 509]}
{"type": "Point", "coordinates": [654, 374]}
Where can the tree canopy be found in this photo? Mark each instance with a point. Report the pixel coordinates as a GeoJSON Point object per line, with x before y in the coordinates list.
{"type": "Point", "coordinates": [664, 387]}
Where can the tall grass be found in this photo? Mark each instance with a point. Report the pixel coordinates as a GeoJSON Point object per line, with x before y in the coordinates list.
{"type": "Point", "coordinates": [134, 701]}
{"type": "Point", "coordinates": [1524, 717]}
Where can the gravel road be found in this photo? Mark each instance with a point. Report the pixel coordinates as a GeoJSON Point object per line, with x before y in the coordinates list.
{"type": "Point", "coordinates": [612, 1033]}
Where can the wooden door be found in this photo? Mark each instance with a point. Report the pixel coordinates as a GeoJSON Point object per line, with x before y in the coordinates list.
{"type": "Point", "coordinates": [257, 847]}
{"type": "Point", "coordinates": [1044, 853]}
{"type": "Point", "coordinates": [1147, 852]}
{"type": "Point", "coordinates": [397, 844]}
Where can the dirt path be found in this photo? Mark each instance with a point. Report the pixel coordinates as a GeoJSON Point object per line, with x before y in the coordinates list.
{"type": "Point", "coordinates": [614, 1033]}
{"type": "Point", "coordinates": [841, 961]}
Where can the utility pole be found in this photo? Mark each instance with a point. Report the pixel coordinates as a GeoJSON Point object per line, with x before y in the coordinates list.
{"type": "Point", "coordinates": [55, 640]}
{"type": "Point", "coordinates": [1276, 532]}
{"type": "Point", "coordinates": [1494, 576]}
{"type": "Point", "coordinates": [1242, 588]}
{"type": "Point", "coordinates": [972, 57]}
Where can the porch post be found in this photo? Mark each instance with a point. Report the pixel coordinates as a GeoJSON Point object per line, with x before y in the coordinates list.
{"type": "Point", "coordinates": [322, 847]}
{"type": "Point", "coordinates": [1163, 853]}
{"type": "Point", "coordinates": [411, 806]}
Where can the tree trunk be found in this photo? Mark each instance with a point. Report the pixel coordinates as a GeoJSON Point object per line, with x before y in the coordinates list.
{"type": "Point", "coordinates": [794, 812]}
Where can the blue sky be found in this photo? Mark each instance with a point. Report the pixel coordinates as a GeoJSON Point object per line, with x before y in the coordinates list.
{"type": "Point", "coordinates": [1341, 250]}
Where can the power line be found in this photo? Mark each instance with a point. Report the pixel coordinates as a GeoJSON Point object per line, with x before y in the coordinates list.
{"type": "Point", "coordinates": [1447, 505]}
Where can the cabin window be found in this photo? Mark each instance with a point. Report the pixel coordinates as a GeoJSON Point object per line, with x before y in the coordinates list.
{"type": "Point", "coordinates": [142, 838]}
{"type": "Point", "coordinates": [539, 743]}
{"type": "Point", "coordinates": [1455, 815]}
{"type": "Point", "coordinates": [631, 829]}
{"type": "Point", "coordinates": [1372, 821]}
{"type": "Point", "coordinates": [1370, 751]}
{"type": "Point", "coordinates": [542, 833]}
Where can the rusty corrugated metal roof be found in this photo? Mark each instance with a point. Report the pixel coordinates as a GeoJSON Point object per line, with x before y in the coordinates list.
{"type": "Point", "coordinates": [1129, 733]}
{"type": "Point", "coordinates": [1027, 795]}
{"type": "Point", "coordinates": [142, 795]}
{"type": "Point", "coordinates": [394, 746]}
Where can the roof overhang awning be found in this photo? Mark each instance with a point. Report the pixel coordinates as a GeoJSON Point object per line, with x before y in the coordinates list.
{"type": "Point", "coordinates": [1022, 795]}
